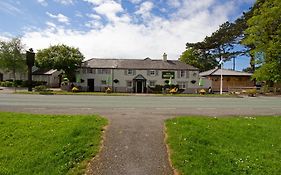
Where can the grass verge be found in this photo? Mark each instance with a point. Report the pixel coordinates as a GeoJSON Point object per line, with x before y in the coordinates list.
{"type": "Point", "coordinates": [233, 145]}
{"type": "Point", "coordinates": [48, 144]}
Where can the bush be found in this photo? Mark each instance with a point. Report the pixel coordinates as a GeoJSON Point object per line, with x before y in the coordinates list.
{"type": "Point", "coordinates": [18, 83]}
{"type": "Point", "coordinates": [202, 92]}
{"type": "Point", "coordinates": [7, 84]}
{"type": "Point", "coordinates": [34, 83]}
{"type": "Point", "coordinates": [251, 92]}
{"type": "Point", "coordinates": [108, 90]}
{"type": "Point", "coordinates": [40, 88]}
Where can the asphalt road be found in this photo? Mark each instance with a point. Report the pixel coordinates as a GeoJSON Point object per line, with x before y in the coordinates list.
{"type": "Point", "coordinates": [143, 104]}
{"type": "Point", "coordinates": [134, 141]}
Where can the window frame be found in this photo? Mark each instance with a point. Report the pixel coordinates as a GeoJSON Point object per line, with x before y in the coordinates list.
{"type": "Point", "coordinates": [182, 73]}
{"type": "Point", "coordinates": [153, 82]}
{"type": "Point", "coordinates": [154, 73]}
{"type": "Point", "coordinates": [130, 72]}
{"type": "Point", "coordinates": [129, 82]}
{"type": "Point", "coordinates": [181, 84]}
{"type": "Point", "coordinates": [103, 82]}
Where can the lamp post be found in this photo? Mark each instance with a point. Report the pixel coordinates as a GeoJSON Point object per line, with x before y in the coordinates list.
{"type": "Point", "coordinates": [221, 64]}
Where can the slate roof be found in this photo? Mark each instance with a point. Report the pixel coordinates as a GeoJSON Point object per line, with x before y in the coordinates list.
{"type": "Point", "coordinates": [225, 72]}
{"type": "Point", "coordinates": [149, 64]}
{"type": "Point", "coordinates": [44, 72]}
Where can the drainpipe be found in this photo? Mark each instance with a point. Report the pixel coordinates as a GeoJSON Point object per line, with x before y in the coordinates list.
{"type": "Point", "coordinates": [112, 78]}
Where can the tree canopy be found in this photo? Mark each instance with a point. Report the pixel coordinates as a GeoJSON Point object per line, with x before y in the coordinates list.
{"type": "Point", "coordinates": [224, 44]}
{"type": "Point", "coordinates": [198, 59]}
{"type": "Point", "coordinates": [12, 56]}
{"type": "Point", "coordinates": [264, 33]}
{"type": "Point", "coordinates": [60, 57]}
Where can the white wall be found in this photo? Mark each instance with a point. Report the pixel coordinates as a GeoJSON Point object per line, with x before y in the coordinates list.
{"type": "Point", "coordinates": [120, 75]}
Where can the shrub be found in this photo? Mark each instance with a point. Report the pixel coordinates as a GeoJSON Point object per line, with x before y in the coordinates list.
{"type": "Point", "coordinates": [34, 83]}
{"type": "Point", "coordinates": [40, 88]}
{"type": "Point", "coordinates": [251, 92]}
{"type": "Point", "coordinates": [202, 92]}
{"type": "Point", "coordinates": [18, 82]}
{"type": "Point", "coordinates": [7, 84]}
{"type": "Point", "coordinates": [108, 90]}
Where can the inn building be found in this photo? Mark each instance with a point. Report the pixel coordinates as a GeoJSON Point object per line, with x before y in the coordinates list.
{"type": "Point", "coordinates": [136, 75]}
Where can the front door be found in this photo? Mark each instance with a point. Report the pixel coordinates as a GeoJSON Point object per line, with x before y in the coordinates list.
{"type": "Point", "coordinates": [139, 86]}
{"type": "Point", "coordinates": [91, 85]}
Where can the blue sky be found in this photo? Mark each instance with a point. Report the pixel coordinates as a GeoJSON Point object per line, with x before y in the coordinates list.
{"type": "Point", "coordinates": [132, 29]}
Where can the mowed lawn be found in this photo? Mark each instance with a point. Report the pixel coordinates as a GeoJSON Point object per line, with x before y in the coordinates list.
{"type": "Point", "coordinates": [48, 144]}
{"type": "Point", "coordinates": [231, 145]}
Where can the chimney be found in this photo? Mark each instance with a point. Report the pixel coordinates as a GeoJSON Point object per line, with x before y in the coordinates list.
{"type": "Point", "coordinates": [165, 56]}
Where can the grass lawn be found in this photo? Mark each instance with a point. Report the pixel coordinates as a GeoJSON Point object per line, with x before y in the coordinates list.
{"type": "Point", "coordinates": [232, 145]}
{"type": "Point", "coordinates": [48, 144]}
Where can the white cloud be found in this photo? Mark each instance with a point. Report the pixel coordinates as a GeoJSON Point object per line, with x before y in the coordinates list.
{"type": "Point", "coordinates": [65, 2]}
{"type": "Point", "coordinates": [95, 2]}
{"type": "Point", "coordinates": [111, 9]}
{"type": "Point", "coordinates": [59, 17]}
{"type": "Point", "coordinates": [145, 9]}
{"type": "Point", "coordinates": [79, 14]}
{"type": "Point", "coordinates": [9, 8]}
{"type": "Point", "coordinates": [121, 38]}
{"type": "Point", "coordinates": [174, 3]}
{"type": "Point", "coordinates": [94, 16]}
{"type": "Point", "coordinates": [135, 1]}
{"type": "Point", "coordinates": [42, 2]}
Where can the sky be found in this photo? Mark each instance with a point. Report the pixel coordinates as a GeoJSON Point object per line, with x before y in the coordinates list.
{"type": "Point", "coordinates": [128, 29]}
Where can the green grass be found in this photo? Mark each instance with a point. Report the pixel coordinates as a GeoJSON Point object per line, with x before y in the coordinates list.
{"type": "Point", "coordinates": [48, 144]}
{"type": "Point", "coordinates": [232, 145]}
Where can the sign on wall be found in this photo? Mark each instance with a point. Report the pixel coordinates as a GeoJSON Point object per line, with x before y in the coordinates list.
{"type": "Point", "coordinates": [168, 74]}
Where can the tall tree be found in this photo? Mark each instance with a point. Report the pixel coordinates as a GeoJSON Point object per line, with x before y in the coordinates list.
{"type": "Point", "coordinates": [264, 33]}
{"type": "Point", "coordinates": [198, 59]}
{"type": "Point", "coordinates": [12, 56]}
{"type": "Point", "coordinates": [60, 57]}
{"type": "Point", "coordinates": [224, 44]}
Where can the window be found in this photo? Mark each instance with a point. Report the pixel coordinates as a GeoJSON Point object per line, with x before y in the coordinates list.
{"type": "Point", "coordinates": [103, 82]}
{"type": "Point", "coordinates": [182, 73]}
{"type": "Point", "coordinates": [152, 73]}
{"type": "Point", "coordinates": [129, 72]}
{"type": "Point", "coordinates": [104, 71]}
{"type": "Point", "coordinates": [152, 83]}
{"type": "Point", "coordinates": [84, 70]}
{"type": "Point", "coordinates": [129, 83]}
{"type": "Point", "coordinates": [194, 74]}
{"type": "Point", "coordinates": [181, 85]}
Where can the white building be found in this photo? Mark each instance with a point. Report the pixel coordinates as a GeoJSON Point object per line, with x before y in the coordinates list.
{"type": "Point", "coordinates": [138, 76]}
{"type": "Point", "coordinates": [51, 77]}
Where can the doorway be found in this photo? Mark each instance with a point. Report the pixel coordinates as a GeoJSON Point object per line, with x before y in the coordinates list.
{"type": "Point", "coordinates": [139, 86]}
{"type": "Point", "coordinates": [91, 85]}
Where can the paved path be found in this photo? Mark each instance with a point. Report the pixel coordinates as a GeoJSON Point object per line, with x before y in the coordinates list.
{"type": "Point", "coordinates": [134, 141]}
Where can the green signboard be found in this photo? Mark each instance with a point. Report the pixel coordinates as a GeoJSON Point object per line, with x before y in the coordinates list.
{"type": "Point", "coordinates": [168, 74]}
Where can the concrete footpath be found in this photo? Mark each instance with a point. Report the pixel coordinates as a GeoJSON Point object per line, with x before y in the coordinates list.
{"type": "Point", "coordinates": [134, 145]}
